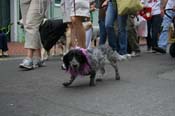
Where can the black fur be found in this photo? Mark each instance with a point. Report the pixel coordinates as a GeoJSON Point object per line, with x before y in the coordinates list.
{"type": "Point", "coordinates": [74, 53]}
{"type": "Point", "coordinates": [51, 31]}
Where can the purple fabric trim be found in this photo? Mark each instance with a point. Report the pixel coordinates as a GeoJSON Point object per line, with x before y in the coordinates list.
{"type": "Point", "coordinates": [85, 68]}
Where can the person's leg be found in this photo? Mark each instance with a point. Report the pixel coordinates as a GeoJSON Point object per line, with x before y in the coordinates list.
{"type": "Point", "coordinates": [149, 37]}
{"type": "Point", "coordinates": [25, 4]}
{"type": "Point", "coordinates": [88, 37]}
{"type": "Point", "coordinates": [122, 21]}
{"type": "Point", "coordinates": [3, 42]}
{"type": "Point", "coordinates": [103, 34]}
{"type": "Point", "coordinates": [5, 46]}
{"type": "Point", "coordinates": [35, 16]}
{"type": "Point", "coordinates": [32, 14]}
{"type": "Point", "coordinates": [156, 25]}
{"type": "Point", "coordinates": [132, 37]}
{"type": "Point", "coordinates": [27, 62]}
{"type": "Point", "coordinates": [111, 16]}
{"type": "Point", "coordinates": [78, 32]}
{"type": "Point", "coordinates": [163, 39]}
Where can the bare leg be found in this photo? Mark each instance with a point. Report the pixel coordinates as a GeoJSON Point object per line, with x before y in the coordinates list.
{"type": "Point", "coordinates": [38, 53]}
{"type": "Point", "coordinates": [30, 53]}
{"type": "Point", "coordinates": [78, 32]}
{"type": "Point", "coordinates": [68, 38]}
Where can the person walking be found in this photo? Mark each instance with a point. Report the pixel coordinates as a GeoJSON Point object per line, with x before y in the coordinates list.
{"type": "Point", "coordinates": [116, 43]}
{"type": "Point", "coordinates": [168, 9]}
{"type": "Point", "coordinates": [133, 39]}
{"type": "Point", "coordinates": [73, 12]}
{"type": "Point", "coordinates": [33, 13]}
{"type": "Point", "coordinates": [153, 24]}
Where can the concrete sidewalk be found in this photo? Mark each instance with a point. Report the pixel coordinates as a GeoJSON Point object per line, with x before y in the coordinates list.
{"type": "Point", "coordinates": [17, 49]}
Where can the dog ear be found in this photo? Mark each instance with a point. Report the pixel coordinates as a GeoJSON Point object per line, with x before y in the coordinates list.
{"type": "Point", "coordinates": [82, 58]}
{"type": "Point", "coordinates": [67, 58]}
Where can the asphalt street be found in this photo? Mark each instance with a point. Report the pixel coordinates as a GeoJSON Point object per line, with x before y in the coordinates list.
{"type": "Point", "coordinates": [146, 88]}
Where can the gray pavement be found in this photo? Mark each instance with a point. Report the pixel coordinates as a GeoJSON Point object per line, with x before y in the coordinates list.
{"type": "Point", "coordinates": [146, 88]}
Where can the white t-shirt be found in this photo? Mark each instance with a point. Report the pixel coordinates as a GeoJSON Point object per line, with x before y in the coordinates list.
{"type": "Point", "coordinates": [154, 4]}
{"type": "Point", "coordinates": [170, 4]}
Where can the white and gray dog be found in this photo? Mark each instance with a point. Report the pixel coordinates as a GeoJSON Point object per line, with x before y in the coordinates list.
{"type": "Point", "coordinates": [79, 61]}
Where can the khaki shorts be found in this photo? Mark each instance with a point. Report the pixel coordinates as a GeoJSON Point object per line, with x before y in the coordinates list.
{"type": "Point", "coordinates": [33, 12]}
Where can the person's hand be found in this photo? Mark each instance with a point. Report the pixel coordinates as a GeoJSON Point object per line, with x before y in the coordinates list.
{"type": "Point", "coordinates": [173, 8]}
{"type": "Point", "coordinates": [162, 11]}
{"type": "Point", "coordinates": [92, 7]}
{"type": "Point", "coordinates": [105, 3]}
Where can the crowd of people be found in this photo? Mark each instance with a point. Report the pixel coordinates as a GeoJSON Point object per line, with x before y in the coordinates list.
{"type": "Point", "coordinates": [122, 32]}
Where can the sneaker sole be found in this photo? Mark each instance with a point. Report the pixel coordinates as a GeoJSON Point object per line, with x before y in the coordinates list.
{"type": "Point", "coordinates": [160, 50]}
{"type": "Point", "coordinates": [27, 68]}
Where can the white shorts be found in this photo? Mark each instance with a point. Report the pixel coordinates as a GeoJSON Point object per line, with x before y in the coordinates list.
{"type": "Point", "coordinates": [75, 8]}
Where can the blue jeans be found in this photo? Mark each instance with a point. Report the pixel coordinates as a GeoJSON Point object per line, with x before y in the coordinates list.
{"type": "Point", "coordinates": [163, 39]}
{"type": "Point", "coordinates": [111, 16]}
{"type": "Point", "coordinates": [122, 32]}
{"type": "Point", "coordinates": [103, 33]}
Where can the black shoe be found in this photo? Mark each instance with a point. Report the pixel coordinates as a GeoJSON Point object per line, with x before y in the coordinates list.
{"type": "Point", "coordinates": [160, 50]}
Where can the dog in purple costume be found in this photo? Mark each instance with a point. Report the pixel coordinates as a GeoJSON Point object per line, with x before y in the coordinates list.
{"type": "Point", "coordinates": [79, 61]}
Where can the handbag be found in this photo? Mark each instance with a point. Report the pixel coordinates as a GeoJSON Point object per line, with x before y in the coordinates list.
{"type": "Point", "coordinates": [141, 26]}
{"type": "Point", "coordinates": [128, 6]}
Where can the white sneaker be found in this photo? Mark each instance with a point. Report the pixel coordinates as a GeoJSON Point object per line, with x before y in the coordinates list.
{"type": "Point", "coordinates": [135, 54]}
{"type": "Point", "coordinates": [26, 64]}
{"type": "Point", "coordinates": [128, 56]}
{"type": "Point", "coordinates": [39, 63]}
{"type": "Point", "coordinates": [120, 57]}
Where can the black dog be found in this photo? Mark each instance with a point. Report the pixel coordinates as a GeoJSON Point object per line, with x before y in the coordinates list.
{"type": "Point", "coordinates": [79, 61]}
{"type": "Point", "coordinates": [51, 31]}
